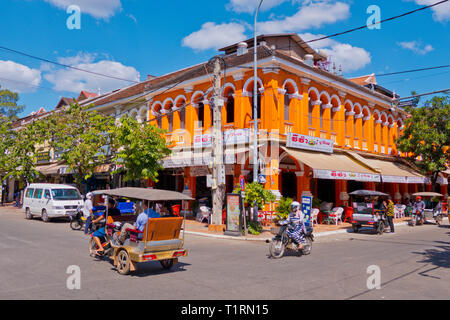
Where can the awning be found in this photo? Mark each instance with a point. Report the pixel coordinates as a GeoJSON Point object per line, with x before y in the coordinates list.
{"type": "Point", "coordinates": [392, 171]}
{"type": "Point", "coordinates": [49, 169]}
{"type": "Point", "coordinates": [334, 166]}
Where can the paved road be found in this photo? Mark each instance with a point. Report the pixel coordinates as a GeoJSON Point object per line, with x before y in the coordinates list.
{"type": "Point", "coordinates": [414, 264]}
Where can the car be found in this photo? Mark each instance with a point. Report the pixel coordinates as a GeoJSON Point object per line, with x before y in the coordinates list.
{"type": "Point", "coordinates": [49, 201]}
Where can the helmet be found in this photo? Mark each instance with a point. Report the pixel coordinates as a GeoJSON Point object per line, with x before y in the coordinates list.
{"type": "Point", "coordinates": [89, 195]}
{"type": "Point", "coordinates": [295, 206]}
{"type": "Point", "coordinates": [419, 198]}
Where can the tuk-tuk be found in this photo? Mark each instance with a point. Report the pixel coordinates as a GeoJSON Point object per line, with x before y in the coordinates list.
{"type": "Point", "coordinates": [160, 240]}
{"type": "Point", "coordinates": [431, 210]}
{"type": "Point", "coordinates": [365, 212]}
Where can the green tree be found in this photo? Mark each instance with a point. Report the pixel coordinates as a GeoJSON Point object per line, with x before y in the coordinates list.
{"type": "Point", "coordinates": [82, 135]}
{"type": "Point", "coordinates": [21, 154]}
{"type": "Point", "coordinates": [139, 149]}
{"type": "Point", "coordinates": [8, 104]}
{"type": "Point", "coordinates": [6, 141]}
{"type": "Point", "coordinates": [255, 191]}
{"type": "Point", "coordinates": [427, 135]}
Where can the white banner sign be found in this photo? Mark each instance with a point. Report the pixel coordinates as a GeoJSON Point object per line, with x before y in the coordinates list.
{"type": "Point", "coordinates": [230, 137]}
{"type": "Point", "coordinates": [343, 175]}
{"type": "Point", "coordinates": [299, 141]}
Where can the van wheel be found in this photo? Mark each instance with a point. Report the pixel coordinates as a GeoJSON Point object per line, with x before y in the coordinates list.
{"type": "Point", "coordinates": [45, 217]}
{"type": "Point", "coordinates": [28, 214]}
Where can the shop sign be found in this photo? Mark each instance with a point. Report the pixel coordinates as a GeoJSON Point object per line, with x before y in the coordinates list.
{"type": "Point", "coordinates": [344, 175]}
{"type": "Point", "coordinates": [43, 157]}
{"type": "Point", "coordinates": [299, 141]}
{"type": "Point", "coordinates": [394, 179]}
{"type": "Point", "coordinates": [233, 212]}
{"type": "Point", "coordinates": [306, 209]}
{"type": "Point", "coordinates": [417, 180]}
{"type": "Point", "coordinates": [199, 171]}
{"type": "Point", "coordinates": [230, 137]}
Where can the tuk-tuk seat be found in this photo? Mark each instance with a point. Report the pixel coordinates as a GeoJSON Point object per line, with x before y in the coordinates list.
{"type": "Point", "coordinates": [158, 229]}
{"type": "Point", "coordinates": [121, 218]}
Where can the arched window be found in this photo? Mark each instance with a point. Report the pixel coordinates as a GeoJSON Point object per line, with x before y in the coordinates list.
{"type": "Point", "coordinates": [201, 114]}
{"type": "Point", "coordinates": [182, 118]}
{"type": "Point", "coordinates": [230, 108]}
{"type": "Point", "coordinates": [310, 113]}
{"type": "Point", "coordinates": [287, 101]}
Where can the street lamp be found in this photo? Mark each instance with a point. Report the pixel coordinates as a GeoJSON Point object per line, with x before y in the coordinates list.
{"type": "Point", "coordinates": [255, 102]}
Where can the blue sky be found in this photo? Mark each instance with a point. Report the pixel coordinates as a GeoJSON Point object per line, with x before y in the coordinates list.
{"type": "Point", "coordinates": [132, 38]}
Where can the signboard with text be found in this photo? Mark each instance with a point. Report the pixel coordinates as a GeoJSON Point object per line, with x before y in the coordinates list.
{"type": "Point", "coordinates": [233, 212]}
{"type": "Point", "coordinates": [306, 206]}
{"type": "Point", "coordinates": [344, 175]}
{"type": "Point", "coordinates": [300, 141]}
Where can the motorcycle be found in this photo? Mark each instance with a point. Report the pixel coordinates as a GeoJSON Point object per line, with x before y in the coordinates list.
{"type": "Point", "coordinates": [77, 220]}
{"type": "Point", "coordinates": [106, 241]}
{"type": "Point", "coordinates": [282, 242]}
{"type": "Point", "coordinates": [417, 218]}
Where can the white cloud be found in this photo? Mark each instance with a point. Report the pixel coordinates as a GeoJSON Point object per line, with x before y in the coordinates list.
{"type": "Point", "coordinates": [415, 46]}
{"type": "Point", "coordinates": [249, 6]}
{"type": "Point", "coordinates": [100, 9]}
{"type": "Point", "coordinates": [214, 36]}
{"type": "Point", "coordinates": [75, 81]}
{"type": "Point", "coordinates": [24, 78]}
{"type": "Point", "coordinates": [311, 15]}
{"type": "Point", "coordinates": [441, 12]}
{"type": "Point", "coordinates": [351, 58]}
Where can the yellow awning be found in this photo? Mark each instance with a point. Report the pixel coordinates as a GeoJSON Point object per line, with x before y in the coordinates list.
{"type": "Point", "coordinates": [392, 171]}
{"type": "Point", "coordinates": [333, 165]}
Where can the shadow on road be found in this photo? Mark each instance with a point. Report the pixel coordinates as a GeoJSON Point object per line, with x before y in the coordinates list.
{"type": "Point", "coordinates": [439, 257]}
{"type": "Point", "coordinates": [154, 268]}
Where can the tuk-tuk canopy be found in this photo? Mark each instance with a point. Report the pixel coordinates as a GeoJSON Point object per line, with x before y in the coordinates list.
{"type": "Point", "coordinates": [145, 194]}
{"type": "Point", "coordinates": [427, 194]}
{"type": "Point", "coordinates": [367, 193]}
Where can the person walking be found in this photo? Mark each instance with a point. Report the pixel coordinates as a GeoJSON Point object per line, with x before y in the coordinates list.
{"type": "Point", "coordinates": [87, 212]}
{"type": "Point", "coordinates": [390, 212]}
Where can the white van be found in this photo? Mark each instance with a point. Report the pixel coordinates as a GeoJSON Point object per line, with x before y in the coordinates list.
{"type": "Point", "coordinates": [48, 201]}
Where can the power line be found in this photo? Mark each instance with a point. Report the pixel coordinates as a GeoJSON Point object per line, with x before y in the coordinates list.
{"type": "Point", "coordinates": [65, 65]}
{"type": "Point", "coordinates": [423, 94]}
{"type": "Point", "coordinates": [373, 24]}
{"type": "Point", "coordinates": [413, 70]}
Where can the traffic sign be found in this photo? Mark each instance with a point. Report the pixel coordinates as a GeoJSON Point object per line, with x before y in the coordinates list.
{"type": "Point", "coordinates": [242, 182]}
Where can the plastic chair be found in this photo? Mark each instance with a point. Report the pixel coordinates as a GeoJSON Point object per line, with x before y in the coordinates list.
{"type": "Point", "coordinates": [336, 214]}
{"type": "Point", "coordinates": [176, 210]}
{"type": "Point", "coordinates": [314, 216]}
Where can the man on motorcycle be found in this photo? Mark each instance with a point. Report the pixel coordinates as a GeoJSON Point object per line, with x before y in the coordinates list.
{"type": "Point", "coordinates": [419, 205]}
{"type": "Point", "coordinates": [296, 229]}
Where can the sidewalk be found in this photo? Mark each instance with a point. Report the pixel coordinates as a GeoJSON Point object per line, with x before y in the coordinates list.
{"type": "Point", "coordinates": [201, 229]}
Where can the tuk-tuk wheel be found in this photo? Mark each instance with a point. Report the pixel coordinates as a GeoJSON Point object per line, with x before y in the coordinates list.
{"type": "Point", "coordinates": [380, 228]}
{"type": "Point", "coordinates": [355, 228]}
{"type": "Point", "coordinates": [123, 262]}
{"type": "Point", "coordinates": [167, 264]}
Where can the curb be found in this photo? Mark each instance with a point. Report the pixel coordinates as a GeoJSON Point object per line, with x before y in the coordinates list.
{"type": "Point", "coordinates": [316, 235]}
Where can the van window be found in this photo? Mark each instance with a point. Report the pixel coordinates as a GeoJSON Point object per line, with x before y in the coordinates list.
{"type": "Point", "coordinates": [47, 194]}
{"type": "Point", "coordinates": [29, 193]}
{"type": "Point", "coordinates": [37, 193]}
{"type": "Point", "coordinates": [66, 194]}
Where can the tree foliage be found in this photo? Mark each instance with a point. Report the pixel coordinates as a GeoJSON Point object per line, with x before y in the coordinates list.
{"type": "Point", "coordinates": [427, 135]}
{"type": "Point", "coordinates": [8, 104]}
{"type": "Point", "coordinates": [82, 135]}
{"type": "Point", "coordinates": [139, 148]}
{"type": "Point", "coordinates": [255, 191]}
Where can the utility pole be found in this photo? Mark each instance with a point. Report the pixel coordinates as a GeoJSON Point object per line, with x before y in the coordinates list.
{"type": "Point", "coordinates": [218, 177]}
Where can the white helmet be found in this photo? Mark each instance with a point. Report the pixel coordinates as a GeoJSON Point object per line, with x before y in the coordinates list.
{"type": "Point", "coordinates": [295, 206]}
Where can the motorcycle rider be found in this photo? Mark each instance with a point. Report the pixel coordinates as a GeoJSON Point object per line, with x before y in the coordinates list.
{"type": "Point", "coordinates": [419, 205]}
{"type": "Point", "coordinates": [296, 229]}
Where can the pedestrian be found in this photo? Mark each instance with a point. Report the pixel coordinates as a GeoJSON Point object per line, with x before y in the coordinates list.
{"type": "Point", "coordinates": [88, 212]}
{"type": "Point", "coordinates": [390, 212]}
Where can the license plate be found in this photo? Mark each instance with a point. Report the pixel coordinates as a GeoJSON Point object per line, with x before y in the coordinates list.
{"type": "Point", "coordinates": [71, 213]}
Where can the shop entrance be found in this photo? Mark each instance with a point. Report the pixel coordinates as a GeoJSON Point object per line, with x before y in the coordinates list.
{"type": "Point", "coordinates": [326, 190]}
{"type": "Point", "coordinates": [289, 184]}
{"type": "Point", "coordinates": [354, 185]}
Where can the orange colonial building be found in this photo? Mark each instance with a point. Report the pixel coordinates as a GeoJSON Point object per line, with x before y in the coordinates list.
{"type": "Point", "coordinates": [318, 132]}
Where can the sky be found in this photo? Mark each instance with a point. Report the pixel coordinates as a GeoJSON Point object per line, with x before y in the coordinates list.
{"type": "Point", "coordinates": [130, 39]}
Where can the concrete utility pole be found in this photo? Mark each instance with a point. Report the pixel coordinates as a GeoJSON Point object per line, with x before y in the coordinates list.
{"type": "Point", "coordinates": [218, 184]}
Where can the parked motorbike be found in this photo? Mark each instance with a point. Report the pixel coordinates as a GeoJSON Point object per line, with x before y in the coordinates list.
{"type": "Point", "coordinates": [282, 242]}
{"type": "Point", "coordinates": [77, 220]}
{"type": "Point", "coordinates": [417, 218]}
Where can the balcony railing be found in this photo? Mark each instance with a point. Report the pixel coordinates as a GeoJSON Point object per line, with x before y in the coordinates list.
{"type": "Point", "coordinates": [383, 149]}
{"type": "Point", "coordinates": [364, 145]}
{"type": "Point", "coordinates": [312, 132]}
{"type": "Point", "coordinates": [356, 143]}
{"type": "Point", "coordinates": [334, 138]}
{"type": "Point", "coordinates": [288, 126]}
{"type": "Point", "coordinates": [323, 135]}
